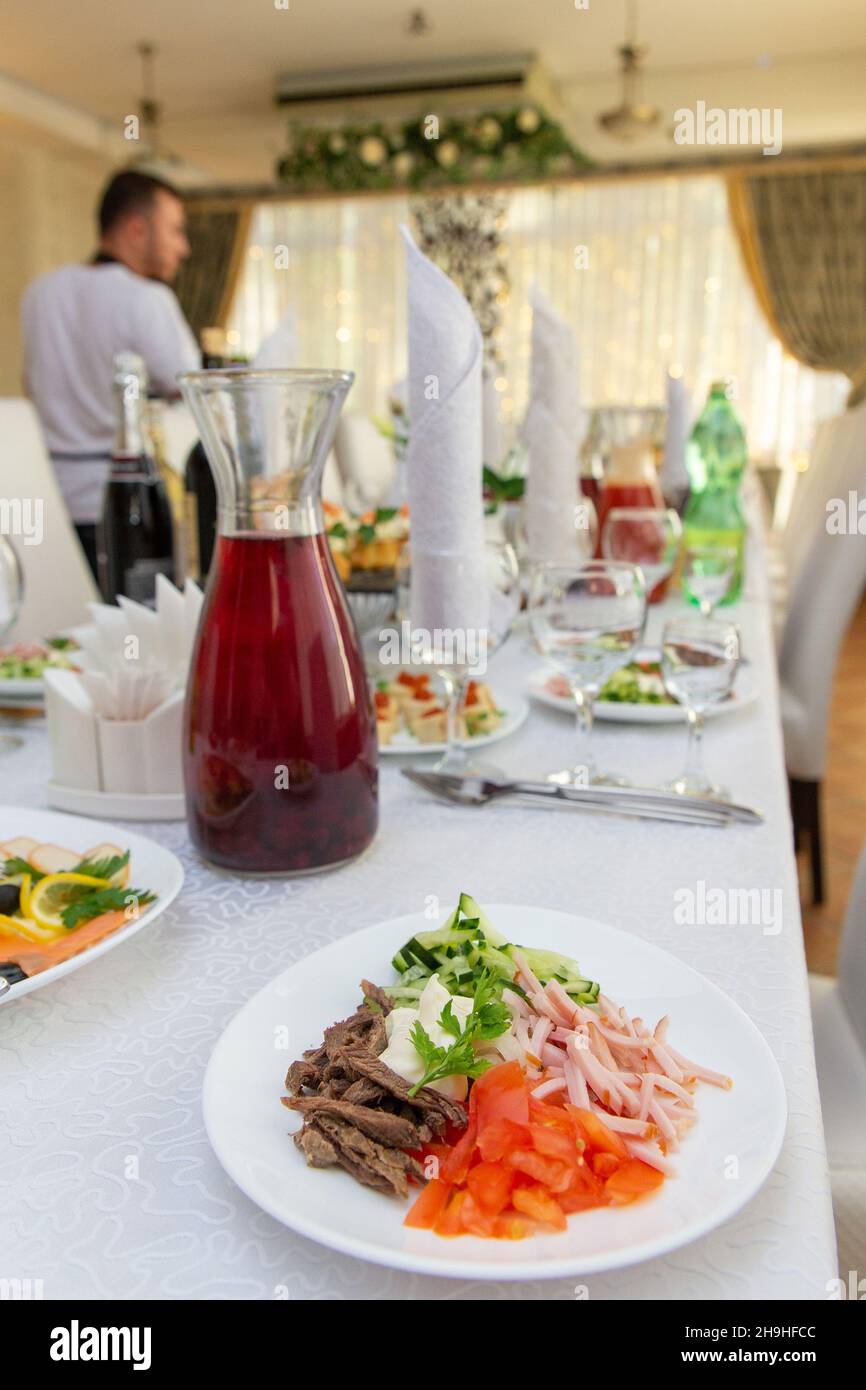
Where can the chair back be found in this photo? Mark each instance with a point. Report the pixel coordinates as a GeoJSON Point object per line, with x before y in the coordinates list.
{"type": "Point", "coordinates": [58, 583]}
{"type": "Point", "coordinates": [852, 954]}
{"type": "Point", "coordinates": [830, 576]}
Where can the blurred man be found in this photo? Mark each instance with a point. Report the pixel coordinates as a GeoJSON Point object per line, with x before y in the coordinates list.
{"type": "Point", "coordinates": [75, 319]}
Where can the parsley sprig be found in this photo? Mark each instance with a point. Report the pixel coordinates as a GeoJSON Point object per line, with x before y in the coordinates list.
{"type": "Point", "coordinates": [15, 866]}
{"type": "Point", "coordinates": [489, 1019]}
{"type": "Point", "coordinates": [102, 868]}
{"type": "Point", "coordinates": [94, 901]}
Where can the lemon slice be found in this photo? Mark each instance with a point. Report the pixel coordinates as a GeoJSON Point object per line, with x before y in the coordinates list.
{"type": "Point", "coordinates": [27, 929]}
{"type": "Point", "coordinates": [51, 895]}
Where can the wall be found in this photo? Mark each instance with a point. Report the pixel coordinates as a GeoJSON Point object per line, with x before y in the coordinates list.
{"type": "Point", "coordinates": [48, 193]}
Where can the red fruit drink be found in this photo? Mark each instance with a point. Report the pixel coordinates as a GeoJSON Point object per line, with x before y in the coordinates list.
{"type": "Point", "coordinates": [279, 730]}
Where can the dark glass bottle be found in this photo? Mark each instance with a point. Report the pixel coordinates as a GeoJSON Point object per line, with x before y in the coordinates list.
{"type": "Point", "coordinates": [200, 511]}
{"type": "Point", "coordinates": [135, 536]}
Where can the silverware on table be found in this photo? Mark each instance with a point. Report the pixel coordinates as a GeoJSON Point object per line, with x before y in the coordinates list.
{"type": "Point", "coordinates": [636, 802]}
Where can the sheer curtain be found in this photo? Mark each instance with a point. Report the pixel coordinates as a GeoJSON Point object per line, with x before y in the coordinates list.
{"type": "Point", "coordinates": [646, 270]}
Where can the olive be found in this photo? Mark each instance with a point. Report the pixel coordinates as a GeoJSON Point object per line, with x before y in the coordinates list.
{"type": "Point", "coordinates": [12, 972]}
{"type": "Point", "coordinates": [10, 898]}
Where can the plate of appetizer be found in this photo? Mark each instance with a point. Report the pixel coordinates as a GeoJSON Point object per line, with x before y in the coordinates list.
{"type": "Point", "coordinates": [23, 664]}
{"type": "Point", "coordinates": [435, 1097]}
{"type": "Point", "coordinates": [411, 714]}
{"type": "Point", "coordinates": [71, 890]}
{"type": "Point", "coordinates": [636, 694]}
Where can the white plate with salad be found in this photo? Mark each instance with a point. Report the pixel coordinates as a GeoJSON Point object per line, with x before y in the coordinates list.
{"type": "Point", "coordinates": [23, 665]}
{"type": "Point", "coordinates": [562, 1164]}
{"type": "Point", "coordinates": [635, 694]}
{"type": "Point", "coordinates": [70, 890]}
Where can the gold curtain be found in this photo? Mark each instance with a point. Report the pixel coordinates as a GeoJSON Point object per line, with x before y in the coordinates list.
{"type": "Point", "coordinates": [207, 281]}
{"type": "Point", "coordinates": [803, 240]}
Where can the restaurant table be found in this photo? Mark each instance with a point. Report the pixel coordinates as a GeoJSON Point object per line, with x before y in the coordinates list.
{"type": "Point", "coordinates": [106, 1065]}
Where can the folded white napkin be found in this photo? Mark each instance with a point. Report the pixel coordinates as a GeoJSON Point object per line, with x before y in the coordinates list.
{"type": "Point", "coordinates": [127, 693]}
{"type": "Point", "coordinates": [674, 478]}
{"type": "Point", "coordinates": [131, 636]}
{"type": "Point", "coordinates": [551, 432]}
{"type": "Point", "coordinates": [449, 587]}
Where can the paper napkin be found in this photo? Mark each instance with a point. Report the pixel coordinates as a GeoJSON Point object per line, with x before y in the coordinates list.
{"type": "Point", "coordinates": [449, 588]}
{"type": "Point", "coordinates": [551, 431]}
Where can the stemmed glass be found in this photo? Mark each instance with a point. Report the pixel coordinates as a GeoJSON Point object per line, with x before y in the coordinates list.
{"type": "Point", "coordinates": [454, 667]}
{"type": "Point", "coordinates": [700, 657]}
{"type": "Point", "coordinates": [585, 527]}
{"type": "Point", "coordinates": [645, 536]}
{"type": "Point", "coordinates": [707, 574]}
{"type": "Point", "coordinates": [11, 595]}
{"type": "Point", "coordinates": [587, 620]}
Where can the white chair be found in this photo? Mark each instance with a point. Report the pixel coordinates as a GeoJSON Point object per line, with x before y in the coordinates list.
{"type": "Point", "coordinates": [58, 583]}
{"type": "Point", "coordinates": [365, 459]}
{"type": "Point", "coordinates": [829, 576]}
{"type": "Point", "coordinates": [839, 1026]}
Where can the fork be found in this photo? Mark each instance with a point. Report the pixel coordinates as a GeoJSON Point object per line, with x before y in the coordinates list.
{"type": "Point", "coordinates": [631, 802]}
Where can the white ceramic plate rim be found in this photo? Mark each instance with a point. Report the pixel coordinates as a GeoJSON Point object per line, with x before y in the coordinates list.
{"type": "Point", "coordinates": [221, 1125]}
{"type": "Point", "coordinates": [56, 827]}
{"type": "Point", "coordinates": [516, 710]}
{"type": "Point", "coordinates": [620, 712]}
{"type": "Point", "coordinates": [30, 688]}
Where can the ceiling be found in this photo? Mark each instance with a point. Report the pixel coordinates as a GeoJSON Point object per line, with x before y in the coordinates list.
{"type": "Point", "coordinates": [218, 61]}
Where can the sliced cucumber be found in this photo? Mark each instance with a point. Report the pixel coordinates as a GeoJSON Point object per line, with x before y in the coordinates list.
{"type": "Point", "coordinates": [469, 908]}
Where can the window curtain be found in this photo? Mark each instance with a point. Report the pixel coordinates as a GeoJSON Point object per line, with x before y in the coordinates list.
{"type": "Point", "coordinates": [646, 270]}
{"type": "Point", "coordinates": [206, 285]}
{"type": "Point", "coordinates": [803, 240]}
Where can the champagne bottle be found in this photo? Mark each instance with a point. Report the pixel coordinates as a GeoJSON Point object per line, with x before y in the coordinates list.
{"type": "Point", "coordinates": [200, 510]}
{"type": "Point", "coordinates": [135, 535]}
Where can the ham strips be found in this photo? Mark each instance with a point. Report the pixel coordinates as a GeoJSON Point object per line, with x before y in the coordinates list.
{"type": "Point", "coordinates": [607, 1062]}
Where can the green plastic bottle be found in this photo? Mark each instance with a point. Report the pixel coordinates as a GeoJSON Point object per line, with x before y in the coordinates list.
{"type": "Point", "coordinates": [716, 459]}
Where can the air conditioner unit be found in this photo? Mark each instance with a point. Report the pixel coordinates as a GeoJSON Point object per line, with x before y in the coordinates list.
{"type": "Point", "coordinates": [400, 91]}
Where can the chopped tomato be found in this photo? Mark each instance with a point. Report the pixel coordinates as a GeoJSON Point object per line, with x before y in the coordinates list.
{"type": "Point", "coordinates": [550, 1171]}
{"type": "Point", "coordinates": [596, 1132]}
{"type": "Point", "coordinates": [500, 1136]}
{"type": "Point", "coordinates": [500, 1093]}
{"type": "Point", "coordinates": [632, 1180]}
{"type": "Point", "coordinates": [554, 1142]}
{"type": "Point", "coordinates": [584, 1193]}
{"type": "Point", "coordinates": [382, 699]}
{"type": "Point", "coordinates": [456, 1166]}
{"type": "Point", "coordinates": [604, 1165]}
{"type": "Point", "coordinates": [449, 1221]}
{"type": "Point", "coordinates": [474, 1219]}
{"type": "Point", "coordinates": [490, 1185]}
{"type": "Point", "coordinates": [428, 1206]}
{"type": "Point", "coordinates": [512, 1226]}
{"type": "Point", "coordinates": [471, 696]}
{"type": "Point", "coordinates": [523, 1165]}
{"type": "Point", "coordinates": [538, 1203]}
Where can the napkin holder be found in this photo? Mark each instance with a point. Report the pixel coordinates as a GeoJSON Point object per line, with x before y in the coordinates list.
{"type": "Point", "coordinates": [127, 756]}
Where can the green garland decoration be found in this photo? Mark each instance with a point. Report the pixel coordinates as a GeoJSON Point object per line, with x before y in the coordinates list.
{"type": "Point", "coordinates": [522, 145]}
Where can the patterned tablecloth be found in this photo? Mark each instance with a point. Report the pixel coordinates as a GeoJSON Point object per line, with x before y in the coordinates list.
{"type": "Point", "coordinates": [106, 1065]}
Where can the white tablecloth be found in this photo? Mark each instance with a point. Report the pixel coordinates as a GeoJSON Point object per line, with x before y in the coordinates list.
{"type": "Point", "coordinates": [107, 1064]}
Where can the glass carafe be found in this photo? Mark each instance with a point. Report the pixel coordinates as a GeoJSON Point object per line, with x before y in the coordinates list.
{"type": "Point", "coordinates": [279, 732]}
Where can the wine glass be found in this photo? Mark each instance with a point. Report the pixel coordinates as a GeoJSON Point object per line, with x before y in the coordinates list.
{"type": "Point", "coordinates": [707, 574]}
{"type": "Point", "coordinates": [645, 536]}
{"type": "Point", "coordinates": [584, 530]}
{"type": "Point", "coordinates": [700, 657]}
{"type": "Point", "coordinates": [11, 596]}
{"type": "Point", "coordinates": [587, 620]}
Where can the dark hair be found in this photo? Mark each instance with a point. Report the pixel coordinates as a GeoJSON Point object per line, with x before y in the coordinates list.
{"type": "Point", "coordinates": [129, 192]}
